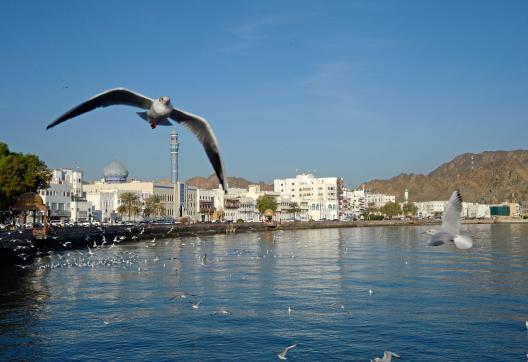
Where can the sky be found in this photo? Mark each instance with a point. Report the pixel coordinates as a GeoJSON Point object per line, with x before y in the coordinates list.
{"type": "Point", "coordinates": [358, 89]}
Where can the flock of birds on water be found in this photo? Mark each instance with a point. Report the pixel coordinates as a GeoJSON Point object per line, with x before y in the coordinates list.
{"type": "Point", "coordinates": [159, 112]}
{"type": "Point", "coordinates": [107, 254]}
{"type": "Point", "coordinates": [101, 252]}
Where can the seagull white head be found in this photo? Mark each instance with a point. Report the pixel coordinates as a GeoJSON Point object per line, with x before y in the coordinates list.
{"type": "Point", "coordinates": [164, 100]}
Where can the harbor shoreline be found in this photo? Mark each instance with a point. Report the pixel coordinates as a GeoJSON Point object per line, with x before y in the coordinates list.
{"type": "Point", "coordinates": [21, 247]}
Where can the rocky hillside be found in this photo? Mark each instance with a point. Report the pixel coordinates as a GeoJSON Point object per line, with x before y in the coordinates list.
{"type": "Point", "coordinates": [211, 182]}
{"type": "Point", "coordinates": [488, 177]}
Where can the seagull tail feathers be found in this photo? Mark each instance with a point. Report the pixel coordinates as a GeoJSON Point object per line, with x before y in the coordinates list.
{"type": "Point", "coordinates": [463, 242]}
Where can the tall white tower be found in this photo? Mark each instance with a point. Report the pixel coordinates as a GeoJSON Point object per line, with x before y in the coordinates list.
{"type": "Point", "coordinates": [406, 195]}
{"type": "Point", "coordinates": [174, 147]}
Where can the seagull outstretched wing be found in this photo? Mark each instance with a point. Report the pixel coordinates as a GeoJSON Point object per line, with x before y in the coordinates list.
{"type": "Point", "coordinates": [451, 215]}
{"type": "Point", "coordinates": [201, 129]}
{"type": "Point", "coordinates": [117, 96]}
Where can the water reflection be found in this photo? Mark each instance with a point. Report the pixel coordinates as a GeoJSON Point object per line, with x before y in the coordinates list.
{"type": "Point", "coordinates": [306, 286]}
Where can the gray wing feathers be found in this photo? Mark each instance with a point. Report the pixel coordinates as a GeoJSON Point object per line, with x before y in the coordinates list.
{"type": "Point", "coordinates": [451, 215]}
{"type": "Point", "coordinates": [201, 129]}
{"type": "Point", "coordinates": [107, 98]}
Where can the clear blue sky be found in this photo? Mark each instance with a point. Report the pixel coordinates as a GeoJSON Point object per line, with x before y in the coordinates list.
{"type": "Point", "coordinates": [358, 89]}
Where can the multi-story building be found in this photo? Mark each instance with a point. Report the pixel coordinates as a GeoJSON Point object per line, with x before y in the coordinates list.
{"type": "Point", "coordinates": [205, 205]}
{"type": "Point", "coordinates": [322, 196]}
{"type": "Point", "coordinates": [191, 202]}
{"type": "Point", "coordinates": [354, 204]}
{"type": "Point", "coordinates": [65, 199]}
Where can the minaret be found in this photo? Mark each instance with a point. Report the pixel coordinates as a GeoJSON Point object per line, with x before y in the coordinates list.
{"type": "Point", "coordinates": [406, 196]}
{"type": "Point", "coordinates": [174, 147]}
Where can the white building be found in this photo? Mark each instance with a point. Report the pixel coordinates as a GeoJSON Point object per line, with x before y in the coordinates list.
{"type": "Point", "coordinates": [105, 194]}
{"type": "Point", "coordinates": [64, 197]}
{"type": "Point", "coordinates": [241, 204]}
{"type": "Point", "coordinates": [205, 208]}
{"type": "Point", "coordinates": [355, 203]}
{"type": "Point", "coordinates": [190, 209]}
{"type": "Point", "coordinates": [470, 210]}
{"type": "Point", "coordinates": [323, 197]}
{"type": "Point", "coordinates": [378, 200]}
{"type": "Point", "coordinates": [427, 209]}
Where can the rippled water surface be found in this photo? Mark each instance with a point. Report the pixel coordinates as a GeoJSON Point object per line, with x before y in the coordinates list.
{"type": "Point", "coordinates": [128, 302]}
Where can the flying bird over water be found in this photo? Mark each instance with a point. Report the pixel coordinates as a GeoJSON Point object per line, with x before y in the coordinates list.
{"type": "Point", "coordinates": [450, 228]}
{"type": "Point", "coordinates": [158, 111]}
{"type": "Point", "coordinates": [282, 355]}
{"type": "Point", "coordinates": [387, 357]}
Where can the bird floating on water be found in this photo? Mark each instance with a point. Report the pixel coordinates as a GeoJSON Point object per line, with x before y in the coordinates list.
{"type": "Point", "coordinates": [282, 355]}
{"type": "Point", "coordinates": [450, 228]}
{"type": "Point", "coordinates": [158, 111]}
{"type": "Point", "coordinates": [387, 357]}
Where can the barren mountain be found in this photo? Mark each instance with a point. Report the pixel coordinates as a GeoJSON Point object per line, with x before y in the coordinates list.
{"type": "Point", "coordinates": [487, 177]}
{"type": "Point", "coordinates": [212, 183]}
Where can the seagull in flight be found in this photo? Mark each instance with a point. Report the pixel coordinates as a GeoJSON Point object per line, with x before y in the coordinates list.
{"type": "Point", "coordinates": [387, 357]}
{"type": "Point", "coordinates": [158, 111]}
{"type": "Point", "coordinates": [282, 355]}
{"type": "Point", "coordinates": [450, 228]}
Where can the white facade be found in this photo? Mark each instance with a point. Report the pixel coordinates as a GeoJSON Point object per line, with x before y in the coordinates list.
{"type": "Point", "coordinates": [428, 209]}
{"type": "Point", "coordinates": [105, 203]}
{"type": "Point", "coordinates": [323, 197]}
{"type": "Point", "coordinates": [191, 203]}
{"type": "Point", "coordinates": [378, 200]}
{"type": "Point", "coordinates": [106, 196]}
{"type": "Point", "coordinates": [81, 211]}
{"type": "Point", "coordinates": [241, 204]}
{"type": "Point", "coordinates": [64, 197]}
{"type": "Point", "coordinates": [205, 204]}
{"type": "Point", "coordinates": [355, 202]}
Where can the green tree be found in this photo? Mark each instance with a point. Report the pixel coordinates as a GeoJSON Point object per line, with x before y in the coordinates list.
{"type": "Point", "coordinates": [266, 202]}
{"type": "Point", "coordinates": [130, 204]}
{"type": "Point", "coordinates": [391, 209]}
{"type": "Point", "coordinates": [370, 210]}
{"type": "Point", "coordinates": [409, 209]}
{"type": "Point", "coordinates": [20, 173]}
{"type": "Point", "coordinates": [153, 207]}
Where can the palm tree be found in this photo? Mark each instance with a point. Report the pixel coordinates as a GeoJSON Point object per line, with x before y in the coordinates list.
{"type": "Point", "coordinates": [153, 206]}
{"type": "Point", "coordinates": [130, 204]}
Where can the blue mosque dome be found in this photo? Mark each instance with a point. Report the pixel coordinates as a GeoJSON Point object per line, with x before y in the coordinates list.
{"type": "Point", "coordinates": [115, 172]}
